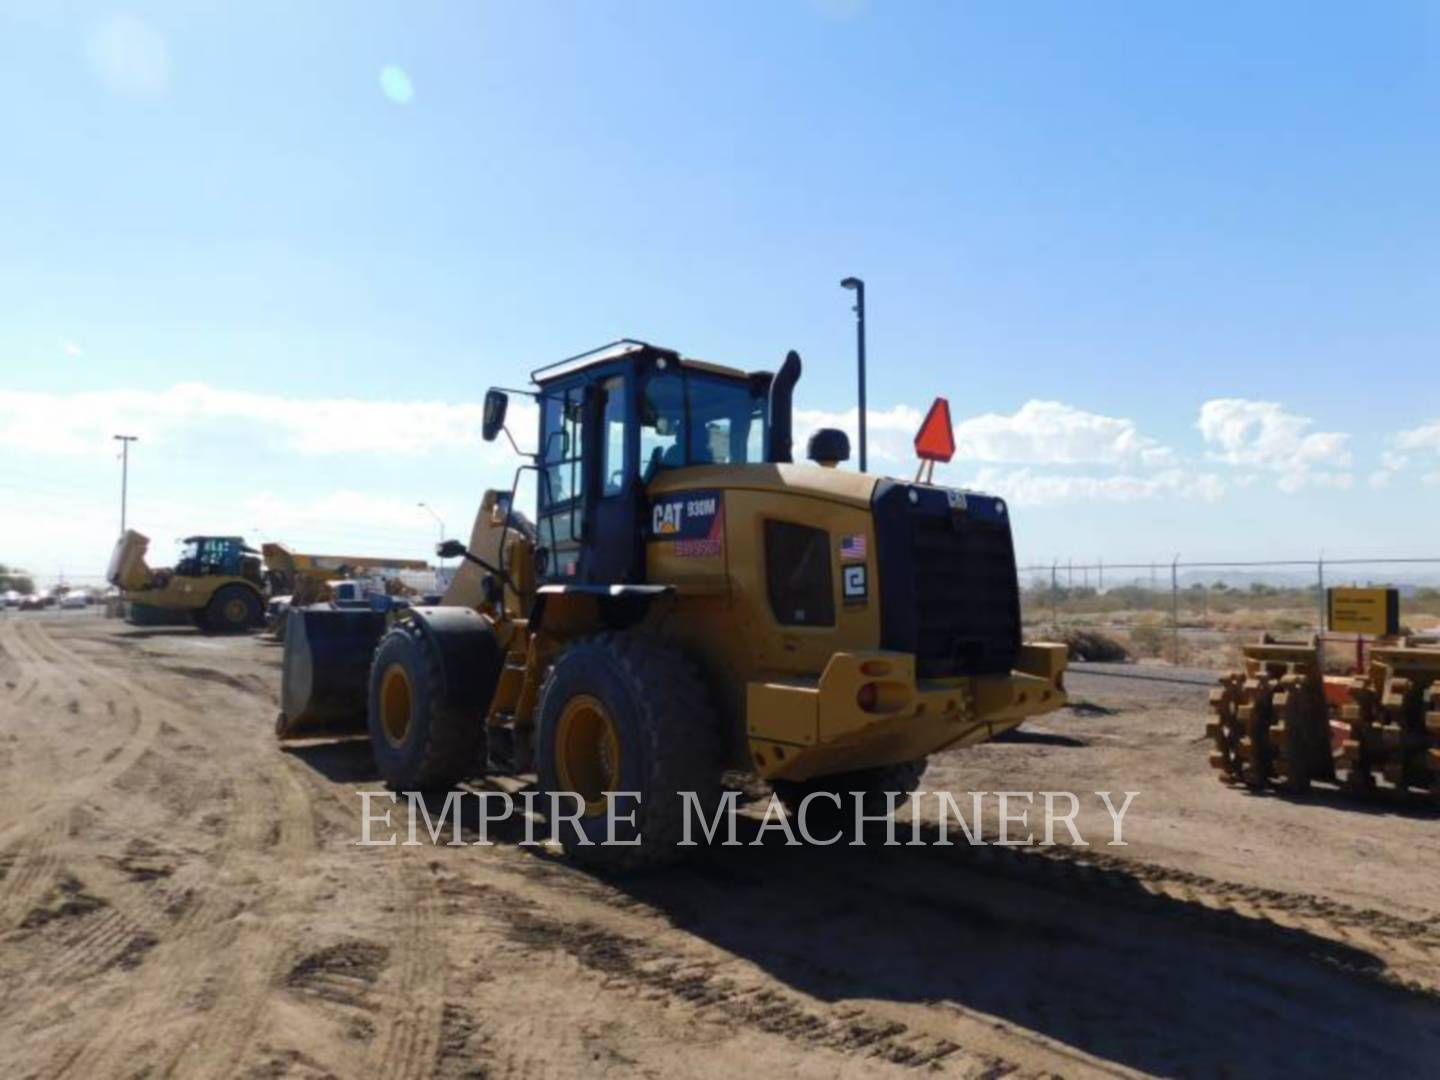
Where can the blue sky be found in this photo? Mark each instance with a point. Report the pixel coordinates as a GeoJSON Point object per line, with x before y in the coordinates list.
{"type": "Point", "coordinates": [1175, 268]}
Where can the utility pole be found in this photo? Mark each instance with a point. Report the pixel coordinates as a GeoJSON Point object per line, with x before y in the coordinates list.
{"type": "Point", "coordinates": [858, 286]}
{"type": "Point", "coordinates": [125, 441]}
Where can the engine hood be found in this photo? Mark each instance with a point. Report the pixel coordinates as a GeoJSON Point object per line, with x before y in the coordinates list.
{"type": "Point", "coordinates": [843, 486]}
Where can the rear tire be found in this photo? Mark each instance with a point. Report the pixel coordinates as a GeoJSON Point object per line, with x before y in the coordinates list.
{"type": "Point", "coordinates": [625, 712]}
{"type": "Point", "coordinates": [232, 610]}
{"type": "Point", "coordinates": [424, 739]}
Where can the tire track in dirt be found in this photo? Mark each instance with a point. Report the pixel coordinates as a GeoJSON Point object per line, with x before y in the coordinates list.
{"type": "Point", "coordinates": [266, 812]}
{"type": "Point", "coordinates": [71, 790]}
{"type": "Point", "coordinates": [26, 679]}
{"type": "Point", "coordinates": [1055, 906]}
{"type": "Point", "coordinates": [667, 970]}
{"type": "Point", "coordinates": [115, 806]}
{"type": "Point", "coordinates": [29, 848]}
{"type": "Point", "coordinates": [243, 992]}
{"type": "Point", "coordinates": [245, 811]}
{"type": "Point", "coordinates": [1409, 949]}
{"type": "Point", "coordinates": [409, 1035]}
{"type": "Point", "coordinates": [410, 1039]}
{"type": "Point", "coordinates": [245, 986]}
{"type": "Point", "coordinates": [33, 867]}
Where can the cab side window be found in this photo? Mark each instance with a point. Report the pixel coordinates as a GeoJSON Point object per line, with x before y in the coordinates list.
{"type": "Point", "coordinates": [612, 438]}
{"type": "Point", "coordinates": [662, 420]}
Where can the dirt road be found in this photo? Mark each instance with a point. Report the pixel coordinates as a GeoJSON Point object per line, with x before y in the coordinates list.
{"type": "Point", "coordinates": [180, 897]}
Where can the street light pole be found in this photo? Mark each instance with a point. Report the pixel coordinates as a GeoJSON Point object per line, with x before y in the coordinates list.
{"type": "Point", "coordinates": [125, 441]}
{"type": "Point", "coordinates": [858, 287]}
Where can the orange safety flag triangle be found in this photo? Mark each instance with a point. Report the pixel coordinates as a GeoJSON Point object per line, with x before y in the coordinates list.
{"type": "Point", "coordinates": [935, 440]}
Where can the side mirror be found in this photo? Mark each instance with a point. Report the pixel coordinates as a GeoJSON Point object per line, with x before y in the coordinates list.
{"type": "Point", "coordinates": [450, 549]}
{"type": "Point", "coordinates": [496, 402]}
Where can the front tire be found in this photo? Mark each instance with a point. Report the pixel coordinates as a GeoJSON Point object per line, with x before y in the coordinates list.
{"type": "Point", "coordinates": [232, 610]}
{"type": "Point", "coordinates": [425, 734]}
{"type": "Point", "coordinates": [623, 712]}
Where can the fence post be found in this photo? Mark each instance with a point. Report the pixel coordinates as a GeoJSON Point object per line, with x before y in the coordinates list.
{"type": "Point", "coordinates": [1175, 607]}
{"type": "Point", "coordinates": [1055, 595]}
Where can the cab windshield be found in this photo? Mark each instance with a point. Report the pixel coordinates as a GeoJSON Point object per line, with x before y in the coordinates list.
{"type": "Point", "coordinates": [690, 417]}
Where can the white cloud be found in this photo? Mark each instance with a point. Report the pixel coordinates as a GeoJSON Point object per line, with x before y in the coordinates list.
{"type": "Point", "coordinates": [1026, 487]}
{"type": "Point", "coordinates": [1423, 440]}
{"type": "Point", "coordinates": [82, 423]}
{"type": "Point", "coordinates": [1038, 433]}
{"type": "Point", "coordinates": [1053, 433]}
{"type": "Point", "coordinates": [1425, 437]}
{"type": "Point", "coordinates": [1045, 452]}
{"type": "Point", "coordinates": [73, 349]}
{"type": "Point", "coordinates": [889, 433]}
{"type": "Point", "coordinates": [337, 508]}
{"type": "Point", "coordinates": [1262, 435]}
{"type": "Point", "coordinates": [129, 57]}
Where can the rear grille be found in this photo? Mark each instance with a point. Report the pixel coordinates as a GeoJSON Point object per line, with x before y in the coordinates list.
{"type": "Point", "coordinates": [948, 589]}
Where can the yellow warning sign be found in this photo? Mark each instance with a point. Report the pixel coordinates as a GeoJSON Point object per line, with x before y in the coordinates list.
{"type": "Point", "coordinates": [1365, 611]}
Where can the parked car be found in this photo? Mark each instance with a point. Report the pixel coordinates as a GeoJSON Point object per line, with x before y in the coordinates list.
{"type": "Point", "coordinates": [76, 598]}
{"type": "Point", "coordinates": [33, 602]}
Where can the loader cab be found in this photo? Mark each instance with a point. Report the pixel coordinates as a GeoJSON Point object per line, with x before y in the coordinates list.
{"type": "Point", "coordinates": [216, 556]}
{"type": "Point", "coordinates": [609, 424]}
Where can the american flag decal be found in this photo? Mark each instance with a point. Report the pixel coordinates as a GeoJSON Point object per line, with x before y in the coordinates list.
{"type": "Point", "coordinates": [852, 547]}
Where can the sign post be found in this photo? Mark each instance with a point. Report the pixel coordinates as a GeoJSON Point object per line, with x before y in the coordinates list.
{"type": "Point", "coordinates": [1363, 611]}
{"type": "Point", "coordinates": [935, 441]}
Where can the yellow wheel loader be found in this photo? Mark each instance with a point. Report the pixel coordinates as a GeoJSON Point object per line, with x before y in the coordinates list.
{"type": "Point", "coordinates": [689, 602]}
{"type": "Point", "coordinates": [217, 583]}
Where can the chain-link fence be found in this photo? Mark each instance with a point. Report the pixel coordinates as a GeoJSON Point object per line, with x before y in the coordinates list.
{"type": "Point", "coordinates": [1199, 613]}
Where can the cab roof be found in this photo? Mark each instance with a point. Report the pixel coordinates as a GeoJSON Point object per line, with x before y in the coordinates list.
{"type": "Point", "coordinates": [237, 540]}
{"type": "Point", "coordinates": [621, 349]}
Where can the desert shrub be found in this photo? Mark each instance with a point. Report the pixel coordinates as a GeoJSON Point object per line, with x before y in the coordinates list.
{"type": "Point", "coordinates": [1149, 639]}
{"type": "Point", "coordinates": [1095, 646]}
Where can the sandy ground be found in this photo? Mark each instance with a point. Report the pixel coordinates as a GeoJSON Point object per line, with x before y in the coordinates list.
{"type": "Point", "coordinates": [181, 897]}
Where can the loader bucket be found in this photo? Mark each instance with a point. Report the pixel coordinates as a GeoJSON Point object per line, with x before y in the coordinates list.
{"type": "Point", "coordinates": [326, 675]}
{"type": "Point", "coordinates": [127, 569]}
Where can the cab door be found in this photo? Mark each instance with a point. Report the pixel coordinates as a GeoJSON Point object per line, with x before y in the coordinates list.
{"type": "Point", "coordinates": [614, 550]}
{"type": "Point", "coordinates": [563, 479]}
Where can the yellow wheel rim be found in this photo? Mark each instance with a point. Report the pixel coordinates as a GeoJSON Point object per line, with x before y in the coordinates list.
{"type": "Point", "coordinates": [235, 611]}
{"type": "Point", "coordinates": [395, 702]}
{"type": "Point", "coordinates": [587, 751]}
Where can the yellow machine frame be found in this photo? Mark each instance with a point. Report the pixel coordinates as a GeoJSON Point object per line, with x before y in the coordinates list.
{"type": "Point", "coordinates": [865, 708]}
